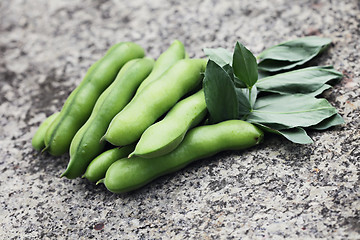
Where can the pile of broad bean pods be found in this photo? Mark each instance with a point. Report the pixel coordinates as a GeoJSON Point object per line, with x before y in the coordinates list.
{"type": "Point", "coordinates": [133, 119]}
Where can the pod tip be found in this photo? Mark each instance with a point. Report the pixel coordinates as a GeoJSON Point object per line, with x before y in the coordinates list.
{"type": "Point", "coordinates": [65, 173]}
{"type": "Point", "coordinates": [44, 149]}
{"type": "Point", "coordinates": [102, 139]}
{"type": "Point", "coordinates": [100, 181]}
{"type": "Point", "coordinates": [131, 154]}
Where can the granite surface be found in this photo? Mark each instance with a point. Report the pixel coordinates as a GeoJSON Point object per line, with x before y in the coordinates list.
{"type": "Point", "coordinates": [273, 191]}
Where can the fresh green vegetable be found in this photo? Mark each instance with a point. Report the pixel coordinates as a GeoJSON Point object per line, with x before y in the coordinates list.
{"type": "Point", "coordinates": [165, 135]}
{"type": "Point", "coordinates": [86, 144]}
{"type": "Point", "coordinates": [81, 101]}
{"type": "Point", "coordinates": [155, 100]}
{"type": "Point", "coordinates": [98, 167]}
{"type": "Point", "coordinates": [38, 138]}
{"type": "Point", "coordinates": [168, 58]}
{"type": "Point", "coordinates": [243, 98]}
{"type": "Point", "coordinates": [129, 174]}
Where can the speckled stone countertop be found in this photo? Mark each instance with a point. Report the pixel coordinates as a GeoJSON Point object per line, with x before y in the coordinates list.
{"type": "Point", "coordinates": [273, 191]}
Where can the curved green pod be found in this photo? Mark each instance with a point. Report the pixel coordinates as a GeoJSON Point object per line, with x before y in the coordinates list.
{"type": "Point", "coordinates": [38, 139]}
{"type": "Point", "coordinates": [98, 167]}
{"type": "Point", "coordinates": [154, 100]}
{"type": "Point", "coordinates": [174, 53]}
{"type": "Point", "coordinates": [78, 106]}
{"type": "Point", "coordinates": [165, 135]}
{"type": "Point", "coordinates": [86, 144]}
{"type": "Point", "coordinates": [129, 174]}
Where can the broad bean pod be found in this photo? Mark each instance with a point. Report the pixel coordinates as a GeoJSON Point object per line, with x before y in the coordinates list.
{"type": "Point", "coordinates": [165, 135]}
{"type": "Point", "coordinates": [38, 139]}
{"type": "Point", "coordinates": [174, 53]}
{"type": "Point", "coordinates": [86, 144]}
{"type": "Point", "coordinates": [154, 100]}
{"type": "Point", "coordinates": [200, 142]}
{"type": "Point", "coordinates": [98, 167]}
{"type": "Point", "coordinates": [78, 106]}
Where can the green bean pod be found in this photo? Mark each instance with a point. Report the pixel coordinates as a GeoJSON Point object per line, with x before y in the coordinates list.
{"type": "Point", "coordinates": [86, 144]}
{"type": "Point", "coordinates": [200, 142]}
{"type": "Point", "coordinates": [77, 108]}
{"type": "Point", "coordinates": [174, 53]}
{"type": "Point", "coordinates": [38, 139]}
{"type": "Point", "coordinates": [98, 167]}
{"type": "Point", "coordinates": [154, 100]}
{"type": "Point", "coordinates": [165, 135]}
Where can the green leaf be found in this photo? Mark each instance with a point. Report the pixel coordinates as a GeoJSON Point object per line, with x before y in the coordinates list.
{"type": "Point", "coordinates": [219, 55]}
{"type": "Point", "coordinates": [288, 55]}
{"type": "Point", "coordinates": [238, 83]}
{"type": "Point", "coordinates": [246, 99]}
{"type": "Point", "coordinates": [263, 74]}
{"type": "Point", "coordinates": [228, 69]}
{"type": "Point", "coordinates": [295, 135]}
{"type": "Point", "coordinates": [269, 65]}
{"type": "Point", "coordinates": [297, 110]}
{"type": "Point", "coordinates": [334, 120]}
{"type": "Point", "coordinates": [305, 80]}
{"type": "Point", "coordinates": [243, 100]}
{"type": "Point", "coordinates": [244, 65]}
{"type": "Point", "coordinates": [220, 95]}
{"type": "Point", "coordinates": [320, 90]}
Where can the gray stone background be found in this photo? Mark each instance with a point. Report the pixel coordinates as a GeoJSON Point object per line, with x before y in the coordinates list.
{"type": "Point", "coordinates": [273, 191]}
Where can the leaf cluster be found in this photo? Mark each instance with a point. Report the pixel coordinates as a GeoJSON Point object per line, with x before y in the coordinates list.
{"type": "Point", "coordinates": [270, 93]}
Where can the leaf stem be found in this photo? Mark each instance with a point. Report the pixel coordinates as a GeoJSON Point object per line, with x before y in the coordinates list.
{"type": "Point", "coordinates": [250, 98]}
